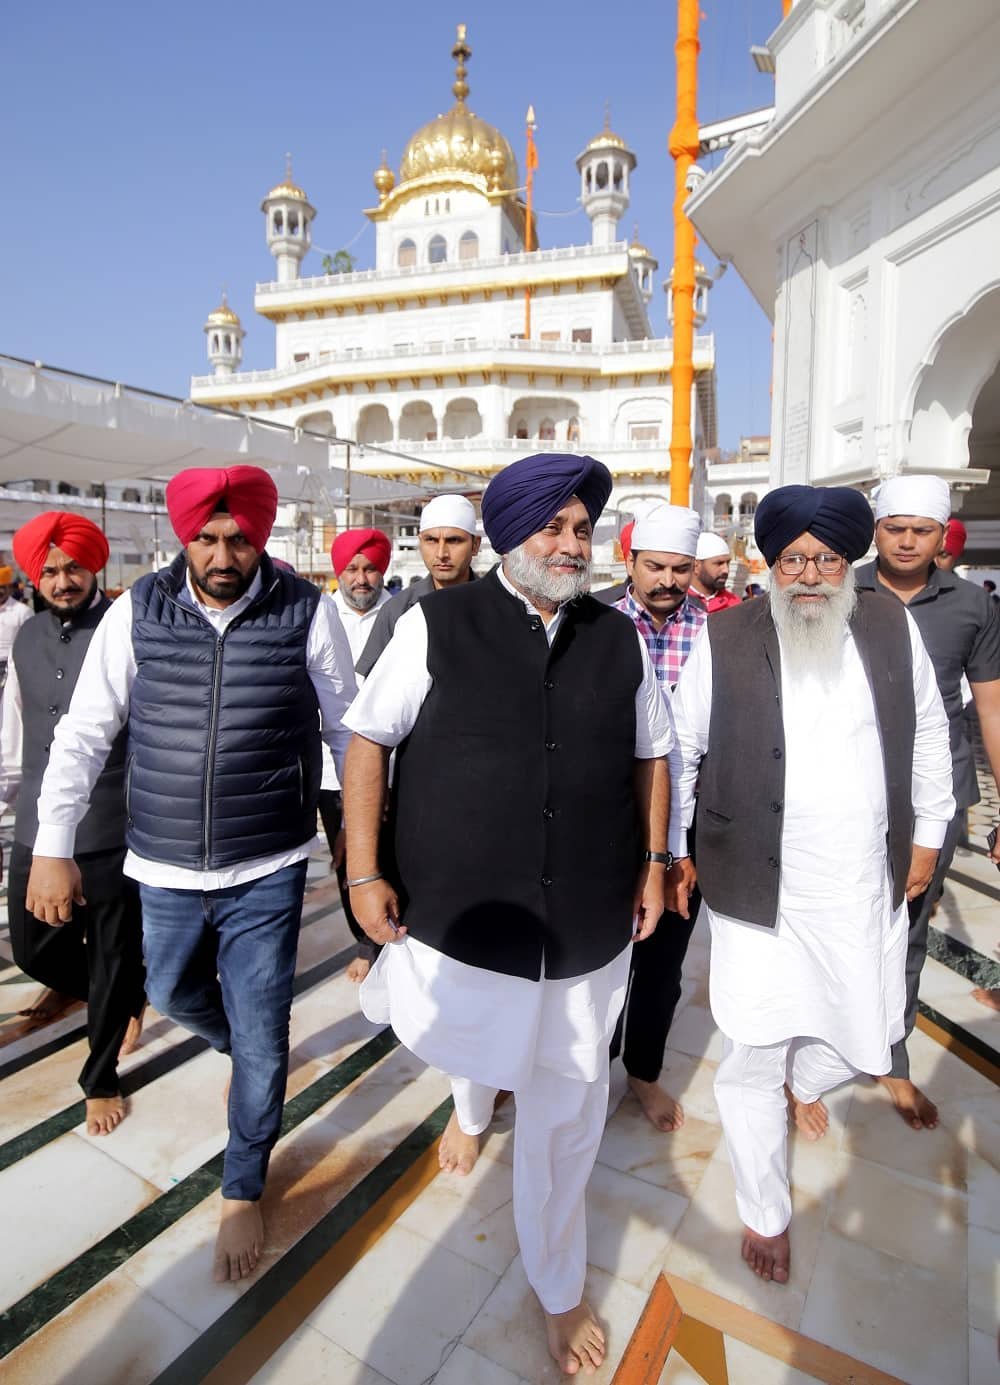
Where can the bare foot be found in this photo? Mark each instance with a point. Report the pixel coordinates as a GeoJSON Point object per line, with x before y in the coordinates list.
{"type": "Point", "coordinates": [104, 1113]}
{"type": "Point", "coordinates": [768, 1256]}
{"type": "Point", "coordinates": [576, 1340]}
{"type": "Point", "coordinates": [240, 1241]}
{"type": "Point", "coordinates": [659, 1108]}
{"type": "Point", "coordinates": [811, 1117]}
{"type": "Point", "coordinates": [457, 1152]}
{"type": "Point", "coordinates": [989, 998]}
{"type": "Point", "coordinates": [358, 970]}
{"type": "Point", "coordinates": [49, 1007]}
{"type": "Point", "coordinates": [132, 1034]}
{"type": "Point", "coordinates": [917, 1110]}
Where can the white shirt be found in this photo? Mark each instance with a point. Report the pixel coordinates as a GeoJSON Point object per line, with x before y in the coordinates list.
{"type": "Point", "coordinates": [387, 707]}
{"type": "Point", "coordinates": [99, 709]}
{"type": "Point", "coordinates": [833, 967]}
{"type": "Point", "coordinates": [358, 626]}
{"type": "Point", "coordinates": [13, 614]}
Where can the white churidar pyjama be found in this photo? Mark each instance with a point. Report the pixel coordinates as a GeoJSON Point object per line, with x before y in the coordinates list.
{"type": "Point", "coordinates": [749, 1091]}
{"type": "Point", "coordinates": [546, 1041]}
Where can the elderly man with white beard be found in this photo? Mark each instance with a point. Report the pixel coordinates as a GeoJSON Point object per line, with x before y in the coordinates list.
{"type": "Point", "coordinates": [811, 720]}
{"type": "Point", "coordinates": [530, 814]}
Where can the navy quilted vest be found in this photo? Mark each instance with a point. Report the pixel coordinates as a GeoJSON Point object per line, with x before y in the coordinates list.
{"type": "Point", "coordinates": [224, 750]}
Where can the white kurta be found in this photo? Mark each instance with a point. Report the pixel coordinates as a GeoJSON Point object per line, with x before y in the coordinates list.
{"type": "Point", "coordinates": [357, 627]}
{"type": "Point", "coordinates": [833, 967]}
{"type": "Point", "coordinates": [474, 1023]}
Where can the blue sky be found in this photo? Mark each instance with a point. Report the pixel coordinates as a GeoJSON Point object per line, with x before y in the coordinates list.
{"type": "Point", "coordinates": [141, 138]}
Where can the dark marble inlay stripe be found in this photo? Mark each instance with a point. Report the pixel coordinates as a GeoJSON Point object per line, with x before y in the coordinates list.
{"type": "Point", "coordinates": [204, 1354]}
{"type": "Point", "coordinates": [31, 1313]}
{"type": "Point", "coordinates": [962, 958]}
{"type": "Point", "coordinates": [964, 1036]}
{"type": "Point", "coordinates": [971, 883]}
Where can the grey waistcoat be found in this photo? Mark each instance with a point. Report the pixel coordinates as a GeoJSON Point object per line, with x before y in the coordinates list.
{"type": "Point", "coordinates": [741, 788]}
{"type": "Point", "coordinates": [48, 655]}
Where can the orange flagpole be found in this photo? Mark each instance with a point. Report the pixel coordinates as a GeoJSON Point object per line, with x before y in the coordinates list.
{"type": "Point", "coordinates": [530, 164]}
{"type": "Point", "coordinates": [684, 151]}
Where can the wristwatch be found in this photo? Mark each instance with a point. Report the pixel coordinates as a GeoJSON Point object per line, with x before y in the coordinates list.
{"type": "Point", "coordinates": [662, 858]}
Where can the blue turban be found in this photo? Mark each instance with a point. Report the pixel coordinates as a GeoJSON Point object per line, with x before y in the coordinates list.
{"type": "Point", "coordinates": [523, 497]}
{"type": "Point", "coordinates": [837, 515]}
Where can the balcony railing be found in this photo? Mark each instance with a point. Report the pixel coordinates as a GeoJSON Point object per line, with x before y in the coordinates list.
{"type": "Point", "coordinates": [360, 277]}
{"type": "Point", "coordinates": [643, 346]}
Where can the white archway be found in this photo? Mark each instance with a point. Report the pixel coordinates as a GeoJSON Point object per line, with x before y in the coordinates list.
{"type": "Point", "coordinates": [938, 409]}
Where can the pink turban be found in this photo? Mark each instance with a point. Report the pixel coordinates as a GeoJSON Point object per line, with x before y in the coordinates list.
{"type": "Point", "coordinates": [375, 545]}
{"type": "Point", "coordinates": [78, 537]}
{"type": "Point", "coordinates": [246, 492]}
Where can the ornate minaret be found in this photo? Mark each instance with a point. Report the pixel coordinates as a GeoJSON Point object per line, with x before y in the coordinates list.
{"type": "Point", "coordinates": [224, 339]}
{"type": "Point", "coordinates": [289, 216]}
{"type": "Point", "coordinates": [644, 266]}
{"type": "Point", "coordinates": [604, 167]}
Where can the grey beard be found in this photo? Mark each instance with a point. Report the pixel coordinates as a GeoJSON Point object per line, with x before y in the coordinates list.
{"type": "Point", "coordinates": [536, 579]}
{"type": "Point", "coordinates": [360, 601]}
{"type": "Point", "coordinates": [812, 637]}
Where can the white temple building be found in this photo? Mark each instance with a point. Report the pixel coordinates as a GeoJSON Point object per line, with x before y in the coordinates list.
{"type": "Point", "coordinates": [430, 354]}
{"type": "Point", "coordinates": [865, 218]}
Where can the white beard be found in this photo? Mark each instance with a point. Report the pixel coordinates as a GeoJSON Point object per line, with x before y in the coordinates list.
{"type": "Point", "coordinates": [812, 635]}
{"type": "Point", "coordinates": [535, 578]}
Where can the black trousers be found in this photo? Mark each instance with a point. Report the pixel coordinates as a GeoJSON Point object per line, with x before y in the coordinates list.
{"type": "Point", "coordinates": [331, 809]}
{"type": "Point", "coordinates": [96, 957]}
{"type": "Point", "coordinates": [654, 988]}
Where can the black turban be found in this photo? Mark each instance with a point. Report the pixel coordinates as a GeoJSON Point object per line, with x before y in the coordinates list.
{"type": "Point", "coordinates": [523, 497]}
{"type": "Point", "coordinates": [837, 515]}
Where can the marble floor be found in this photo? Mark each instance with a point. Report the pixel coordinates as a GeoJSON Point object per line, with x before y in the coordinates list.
{"type": "Point", "coordinates": [381, 1270]}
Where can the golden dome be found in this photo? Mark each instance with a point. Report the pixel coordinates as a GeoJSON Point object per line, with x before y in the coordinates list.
{"type": "Point", "coordinates": [607, 138]}
{"type": "Point", "coordinates": [223, 316]}
{"type": "Point", "coordinates": [286, 188]}
{"type": "Point", "coordinates": [459, 141]}
{"type": "Point", "coordinates": [637, 250]}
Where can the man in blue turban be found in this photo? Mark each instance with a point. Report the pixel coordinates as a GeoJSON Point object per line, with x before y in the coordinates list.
{"type": "Point", "coordinates": [529, 818]}
{"type": "Point", "coordinates": [813, 719]}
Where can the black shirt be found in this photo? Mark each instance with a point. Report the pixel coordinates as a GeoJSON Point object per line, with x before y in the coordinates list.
{"type": "Point", "coordinates": [960, 628]}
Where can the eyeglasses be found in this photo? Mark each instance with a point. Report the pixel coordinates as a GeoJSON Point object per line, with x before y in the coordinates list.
{"type": "Point", "coordinates": [826, 564]}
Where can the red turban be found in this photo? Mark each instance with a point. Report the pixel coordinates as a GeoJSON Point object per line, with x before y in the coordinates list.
{"type": "Point", "coordinates": [955, 536]}
{"type": "Point", "coordinates": [375, 546]}
{"type": "Point", "coordinates": [625, 538]}
{"type": "Point", "coordinates": [250, 496]}
{"type": "Point", "coordinates": [78, 537]}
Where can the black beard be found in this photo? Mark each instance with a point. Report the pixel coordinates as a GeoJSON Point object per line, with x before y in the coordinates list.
{"type": "Point", "coordinates": [64, 612]}
{"type": "Point", "coordinates": [204, 584]}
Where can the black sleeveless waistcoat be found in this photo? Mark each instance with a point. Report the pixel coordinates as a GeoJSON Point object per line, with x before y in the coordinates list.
{"type": "Point", "coordinates": [515, 822]}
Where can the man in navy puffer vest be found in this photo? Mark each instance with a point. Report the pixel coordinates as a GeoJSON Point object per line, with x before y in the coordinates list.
{"type": "Point", "coordinates": [223, 667]}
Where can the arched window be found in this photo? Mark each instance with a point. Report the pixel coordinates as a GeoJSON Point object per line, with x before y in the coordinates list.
{"type": "Point", "coordinates": [602, 175]}
{"type": "Point", "coordinates": [588, 179]}
{"type": "Point", "coordinates": [520, 429]}
{"type": "Point", "coordinates": [279, 223]}
{"type": "Point", "coordinates": [407, 254]}
{"type": "Point", "coordinates": [215, 341]}
{"type": "Point", "coordinates": [748, 505]}
{"type": "Point", "coordinates": [229, 344]}
{"type": "Point", "coordinates": [573, 430]}
{"type": "Point", "coordinates": [547, 429]}
{"type": "Point", "coordinates": [437, 251]}
{"type": "Point", "coordinates": [723, 509]}
{"type": "Point", "coordinates": [468, 246]}
{"type": "Point", "coordinates": [619, 177]}
{"type": "Point", "coordinates": [293, 223]}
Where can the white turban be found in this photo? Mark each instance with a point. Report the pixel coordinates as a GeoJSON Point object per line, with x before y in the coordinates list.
{"type": "Point", "coordinates": [668, 529]}
{"type": "Point", "coordinates": [712, 546]}
{"type": "Point", "coordinates": [448, 512]}
{"type": "Point", "coordinates": [926, 496]}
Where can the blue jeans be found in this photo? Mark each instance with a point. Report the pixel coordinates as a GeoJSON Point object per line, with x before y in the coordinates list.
{"type": "Point", "coordinates": [222, 964]}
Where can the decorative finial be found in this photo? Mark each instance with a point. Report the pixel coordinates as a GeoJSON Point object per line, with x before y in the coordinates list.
{"type": "Point", "coordinates": [607, 115]}
{"type": "Point", "coordinates": [288, 167]}
{"type": "Point", "coordinates": [635, 234]}
{"type": "Point", "coordinates": [225, 297]}
{"type": "Point", "coordinates": [532, 122]}
{"type": "Point", "coordinates": [461, 54]}
{"type": "Point", "coordinates": [384, 178]}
